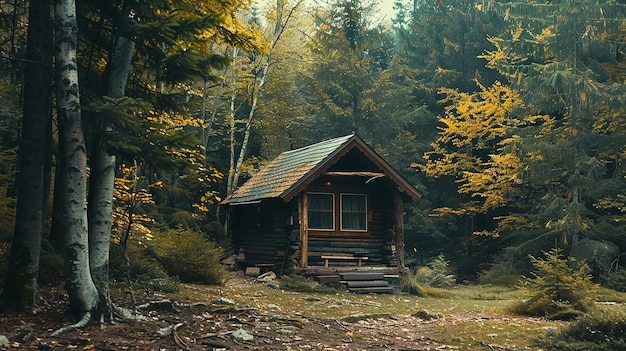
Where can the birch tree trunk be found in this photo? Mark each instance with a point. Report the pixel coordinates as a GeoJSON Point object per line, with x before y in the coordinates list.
{"type": "Point", "coordinates": [102, 182]}
{"type": "Point", "coordinates": [230, 185]}
{"type": "Point", "coordinates": [282, 20]}
{"type": "Point", "coordinates": [20, 287]}
{"type": "Point", "coordinates": [80, 287]}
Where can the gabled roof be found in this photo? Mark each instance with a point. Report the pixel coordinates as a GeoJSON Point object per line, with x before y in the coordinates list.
{"type": "Point", "coordinates": [289, 173]}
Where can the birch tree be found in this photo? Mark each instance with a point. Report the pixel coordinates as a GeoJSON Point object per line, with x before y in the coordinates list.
{"type": "Point", "coordinates": [81, 289]}
{"type": "Point", "coordinates": [284, 13]}
{"type": "Point", "coordinates": [103, 179]}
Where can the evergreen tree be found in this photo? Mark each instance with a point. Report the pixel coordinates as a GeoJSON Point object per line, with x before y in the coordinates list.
{"type": "Point", "coordinates": [348, 56]}
{"type": "Point", "coordinates": [566, 58]}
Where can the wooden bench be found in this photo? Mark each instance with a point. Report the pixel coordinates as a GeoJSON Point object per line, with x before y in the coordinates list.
{"type": "Point", "coordinates": [358, 259]}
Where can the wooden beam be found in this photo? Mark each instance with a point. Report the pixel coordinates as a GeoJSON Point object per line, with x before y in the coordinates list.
{"type": "Point", "coordinates": [399, 225]}
{"type": "Point", "coordinates": [304, 229]}
{"type": "Point", "coordinates": [355, 174]}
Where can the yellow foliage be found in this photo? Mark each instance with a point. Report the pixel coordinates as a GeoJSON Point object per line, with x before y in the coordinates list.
{"type": "Point", "coordinates": [545, 35]}
{"type": "Point", "coordinates": [131, 191]}
{"type": "Point", "coordinates": [475, 124]}
{"type": "Point", "coordinates": [518, 32]}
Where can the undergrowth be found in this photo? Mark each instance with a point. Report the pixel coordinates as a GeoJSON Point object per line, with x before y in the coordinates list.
{"type": "Point", "coordinates": [596, 331]}
{"type": "Point", "coordinates": [299, 283]}
{"type": "Point", "coordinates": [426, 281]}
{"type": "Point", "coordinates": [559, 289]}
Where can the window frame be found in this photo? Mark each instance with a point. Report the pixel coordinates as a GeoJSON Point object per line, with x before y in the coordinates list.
{"type": "Point", "coordinates": [337, 212]}
{"type": "Point", "coordinates": [341, 212]}
{"type": "Point", "coordinates": [333, 211]}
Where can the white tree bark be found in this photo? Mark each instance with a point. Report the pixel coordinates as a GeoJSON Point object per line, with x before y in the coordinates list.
{"type": "Point", "coordinates": [102, 182]}
{"type": "Point", "coordinates": [80, 287]}
{"type": "Point", "coordinates": [258, 82]}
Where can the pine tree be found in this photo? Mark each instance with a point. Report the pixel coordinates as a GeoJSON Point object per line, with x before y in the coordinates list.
{"type": "Point", "coordinates": [566, 59]}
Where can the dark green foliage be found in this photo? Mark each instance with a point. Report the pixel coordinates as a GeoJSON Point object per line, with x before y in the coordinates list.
{"type": "Point", "coordinates": [558, 289]}
{"type": "Point", "coordinates": [188, 255]}
{"type": "Point", "coordinates": [507, 269]}
{"type": "Point", "coordinates": [597, 331]}
{"type": "Point", "coordinates": [437, 274]}
{"type": "Point", "coordinates": [143, 264]}
{"type": "Point", "coordinates": [615, 280]}
{"type": "Point", "coordinates": [145, 271]}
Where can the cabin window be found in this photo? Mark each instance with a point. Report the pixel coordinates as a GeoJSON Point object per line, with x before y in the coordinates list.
{"type": "Point", "coordinates": [321, 211]}
{"type": "Point", "coordinates": [351, 216]}
{"type": "Point", "coordinates": [353, 212]}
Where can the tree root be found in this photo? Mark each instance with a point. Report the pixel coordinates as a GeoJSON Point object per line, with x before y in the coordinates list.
{"type": "Point", "coordinates": [81, 323]}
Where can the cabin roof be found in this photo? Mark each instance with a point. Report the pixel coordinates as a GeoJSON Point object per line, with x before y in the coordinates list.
{"type": "Point", "coordinates": [289, 173]}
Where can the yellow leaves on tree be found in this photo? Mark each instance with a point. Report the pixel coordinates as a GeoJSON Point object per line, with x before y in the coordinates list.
{"type": "Point", "coordinates": [476, 145]}
{"type": "Point", "coordinates": [131, 192]}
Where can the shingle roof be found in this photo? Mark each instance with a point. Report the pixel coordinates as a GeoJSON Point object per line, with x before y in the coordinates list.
{"type": "Point", "coordinates": [289, 169]}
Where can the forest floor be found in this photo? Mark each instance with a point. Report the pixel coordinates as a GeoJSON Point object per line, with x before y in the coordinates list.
{"type": "Point", "coordinates": [244, 314]}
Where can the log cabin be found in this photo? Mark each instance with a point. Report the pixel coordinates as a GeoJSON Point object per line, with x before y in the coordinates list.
{"type": "Point", "coordinates": [330, 205]}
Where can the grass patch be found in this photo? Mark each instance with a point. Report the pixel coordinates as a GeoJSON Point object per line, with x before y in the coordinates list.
{"type": "Point", "coordinates": [596, 331]}
{"type": "Point", "coordinates": [410, 284]}
{"type": "Point", "coordinates": [471, 317]}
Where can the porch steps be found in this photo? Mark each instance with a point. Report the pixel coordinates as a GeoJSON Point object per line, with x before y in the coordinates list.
{"type": "Point", "coordinates": [359, 282]}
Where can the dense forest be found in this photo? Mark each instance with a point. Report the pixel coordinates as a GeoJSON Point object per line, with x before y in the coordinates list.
{"type": "Point", "coordinates": [123, 125]}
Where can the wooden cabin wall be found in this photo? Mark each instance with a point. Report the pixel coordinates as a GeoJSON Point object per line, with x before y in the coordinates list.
{"type": "Point", "coordinates": [263, 231]}
{"type": "Point", "coordinates": [378, 243]}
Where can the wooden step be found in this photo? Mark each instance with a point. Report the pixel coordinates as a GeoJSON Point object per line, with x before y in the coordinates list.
{"type": "Point", "coordinates": [362, 276]}
{"type": "Point", "coordinates": [366, 283]}
{"type": "Point", "coordinates": [373, 290]}
{"type": "Point", "coordinates": [331, 278]}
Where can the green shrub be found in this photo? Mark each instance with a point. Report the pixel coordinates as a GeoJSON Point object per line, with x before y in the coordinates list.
{"type": "Point", "coordinates": [143, 264]}
{"type": "Point", "coordinates": [558, 289]}
{"type": "Point", "coordinates": [410, 285]}
{"type": "Point", "coordinates": [188, 255]}
{"type": "Point", "coordinates": [596, 331]}
{"type": "Point", "coordinates": [437, 274]}
{"type": "Point", "coordinates": [507, 270]}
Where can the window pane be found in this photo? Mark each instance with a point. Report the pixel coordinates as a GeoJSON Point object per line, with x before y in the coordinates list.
{"type": "Point", "coordinates": [321, 211]}
{"type": "Point", "coordinates": [353, 212]}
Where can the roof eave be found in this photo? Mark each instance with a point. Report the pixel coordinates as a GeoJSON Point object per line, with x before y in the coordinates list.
{"type": "Point", "coordinates": [300, 185]}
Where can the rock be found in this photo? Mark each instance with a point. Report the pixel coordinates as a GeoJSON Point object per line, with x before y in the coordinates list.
{"type": "Point", "coordinates": [272, 306]}
{"type": "Point", "coordinates": [224, 301]}
{"type": "Point", "coordinates": [242, 335]}
{"type": "Point", "coordinates": [165, 331]}
{"type": "Point", "coordinates": [4, 341]}
{"type": "Point", "coordinates": [266, 277]}
{"type": "Point", "coordinates": [426, 315]}
{"type": "Point", "coordinates": [600, 256]}
{"type": "Point", "coordinates": [230, 262]}
{"type": "Point", "coordinates": [252, 271]}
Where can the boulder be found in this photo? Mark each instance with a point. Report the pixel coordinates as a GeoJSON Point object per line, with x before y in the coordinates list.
{"type": "Point", "coordinates": [601, 256]}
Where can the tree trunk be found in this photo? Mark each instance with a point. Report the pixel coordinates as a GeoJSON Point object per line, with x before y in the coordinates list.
{"type": "Point", "coordinates": [21, 282]}
{"type": "Point", "coordinates": [230, 185]}
{"type": "Point", "coordinates": [257, 87]}
{"type": "Point", "coordinates": [80, 287]}
{"type": "Point", "coordinates": [102, 183]}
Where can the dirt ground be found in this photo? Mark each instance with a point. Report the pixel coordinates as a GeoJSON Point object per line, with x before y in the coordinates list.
{"type": "Point", "coordinates": [217, 323]}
